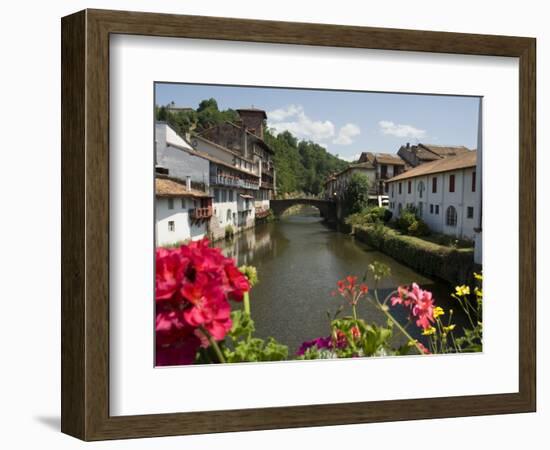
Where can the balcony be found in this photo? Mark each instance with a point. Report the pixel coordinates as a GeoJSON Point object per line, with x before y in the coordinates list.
{"type": "Point", "coordinates": [266, 185]}
{"type": "Point", "coordinates": [266, 168]}
{"type": "Point", "coordinates": [201, 213]}
{"type": "Point", "coordinates": [221, 180]}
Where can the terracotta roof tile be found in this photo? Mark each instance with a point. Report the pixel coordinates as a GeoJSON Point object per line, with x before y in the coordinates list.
{"type": "Point", "coordinates": [170, 188]}
{"type": "Point", "coordinates": [461, 161]}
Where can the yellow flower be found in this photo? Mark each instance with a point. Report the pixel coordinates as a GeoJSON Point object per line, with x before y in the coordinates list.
{"type": "Point", "coordinates": [478, 276]}
{"type": "Point", "coordinates": [462, 290]}
{"type": "Point", "coordinates": [449, 328]}
{"type": "Point", "coordinates": [412, 343]}
{"type": "Point", "coordinates": [438, 311]}
{"type": "Point", "coordinates": [428, 331]}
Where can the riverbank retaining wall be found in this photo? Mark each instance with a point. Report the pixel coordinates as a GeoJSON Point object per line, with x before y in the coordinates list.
{"type": "Point", "coordinates": [455, 266]}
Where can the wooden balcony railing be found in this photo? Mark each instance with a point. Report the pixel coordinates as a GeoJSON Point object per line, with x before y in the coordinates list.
{"type": "Point", "coordinates": [201, 213]}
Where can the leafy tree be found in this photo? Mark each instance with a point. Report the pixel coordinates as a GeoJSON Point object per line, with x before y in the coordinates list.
{"type": "Point", "coordinates": [356, 195]}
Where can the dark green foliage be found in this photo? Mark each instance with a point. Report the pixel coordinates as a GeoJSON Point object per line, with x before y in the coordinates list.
{"type": "Point", "coordinates": [206, 115]}
{"type": "Point", "coordinates": [356, 195]}
{"type": "Point", "coordinates": [453, 265]}
{"type": "Point", "coordinates": [302, 166]}
{"type": "Point", "coordinates": [418, 228]}
{"type": "Point", "coordinates": [369, 215]}
{"type": "Point", "coordinates": [409, 222]}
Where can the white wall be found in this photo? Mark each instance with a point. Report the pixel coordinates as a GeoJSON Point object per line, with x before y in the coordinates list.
{"type": "Point", "coordinates": [227, 157]}
{"type": "Point", "coordinates": [31, 373]}
{"type": "Point", "coordinates": [179, 163]}
{"type": "Point", "coordinates": [460, 199]}
{"type": "Point", "coordinates": [184, 228]}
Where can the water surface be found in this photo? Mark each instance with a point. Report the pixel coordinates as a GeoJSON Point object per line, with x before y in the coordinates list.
{"type": "Point", "coordinates": [299, 260]}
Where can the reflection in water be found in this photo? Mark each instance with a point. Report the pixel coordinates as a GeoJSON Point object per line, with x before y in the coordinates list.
{"type": "Point", "coordinates": [299, 261]}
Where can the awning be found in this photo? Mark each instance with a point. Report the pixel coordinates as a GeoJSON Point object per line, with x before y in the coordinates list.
{"type": "Point", "coordinates": [246, 196]}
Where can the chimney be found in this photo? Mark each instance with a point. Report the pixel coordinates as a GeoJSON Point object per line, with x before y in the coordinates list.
{"type": "Point", "coordinates": [408, 145]}
{"type": "Point", "coordinates": [188, 182]}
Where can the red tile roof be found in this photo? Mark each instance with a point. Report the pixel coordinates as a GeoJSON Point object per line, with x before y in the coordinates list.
{"type": "Point", "coordinates": [165, 187]}
{"type": "Point", "coordinates": [461, 161]}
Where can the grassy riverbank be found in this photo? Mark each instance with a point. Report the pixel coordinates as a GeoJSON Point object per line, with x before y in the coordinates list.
{"type": "Point", "coordinates": [455, 265]}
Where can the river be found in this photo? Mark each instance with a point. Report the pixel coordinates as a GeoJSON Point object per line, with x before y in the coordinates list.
{"type": "Point", "coordinates": [299, 260]}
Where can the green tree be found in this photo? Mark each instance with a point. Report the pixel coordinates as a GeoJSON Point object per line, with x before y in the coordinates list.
{"type": "Point", "coordinates": [356, 194]}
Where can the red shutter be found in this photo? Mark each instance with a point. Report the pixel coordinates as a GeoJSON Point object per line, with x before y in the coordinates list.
{"type": "Point", "coordinates": [452, 183]}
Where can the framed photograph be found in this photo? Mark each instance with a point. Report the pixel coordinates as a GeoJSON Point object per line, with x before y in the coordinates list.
{"type": "Point", "coordinates": [273, 225]}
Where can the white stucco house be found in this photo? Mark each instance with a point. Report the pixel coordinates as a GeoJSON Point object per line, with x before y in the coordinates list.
{"type": "Point", "coordinates": [223, 175]}
{"type": "Point", "coordinates": [445, 193]}
{"type": "Point", "coordinates": [181, 213]}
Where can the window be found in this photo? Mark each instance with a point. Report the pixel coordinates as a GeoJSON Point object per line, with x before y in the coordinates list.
{"type": "Point", "coordinates": [183, 203]}
{"type": "Point", "coordinates": [399, 207]}
{"type": "Point", "coordinates": [230, 196]}
{"type": "Point", "coordinates": [420, 189]}
{"type": "Point", "coordinates": [434, 185]}
{"type": "Point", "coordinates": [474, 181]}
{"type": "Point", "coordinates": [392, 189]}
{"type": "Point", "coordinates": [217, 195]}
{"type": "Point", "coordinates": [451, 183]}
{"type": "Point", "coordinates": [170, 203]}
{"type": "Point", "coordinates": [431, 209]}
{"type": "Point", "coordinates": [420, 209]}
{"type": "Point", "coordinates": [451, 217]}
{"type": "Point", "coordinates": [171, 226]}
{"type": "Point", "coordinates": [400, 187]}
{"type": "Point", "coordinates": [224, 195]}
{"type": "Point", "coordinates": [470, 212]}
{"type": "Point", "coordinates": [228, 216]}
{"type": "Point", "coordinates": [437, 209]}
{"type": "Point", "coordinates": [409, 187]}
{"type": "Point", "coordinates": [386, 187]}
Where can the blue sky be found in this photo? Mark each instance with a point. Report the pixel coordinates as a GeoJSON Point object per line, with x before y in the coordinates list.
{"type": "Point", "coordinates": [346, 123]}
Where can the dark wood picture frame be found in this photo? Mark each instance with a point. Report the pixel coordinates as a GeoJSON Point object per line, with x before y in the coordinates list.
{"type": "Point", "coordinates": [85, 224]}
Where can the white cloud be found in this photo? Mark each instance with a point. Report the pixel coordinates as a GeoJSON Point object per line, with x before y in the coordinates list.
{"type": "Point", "coordinates": [302, 126]}
{"type": "Point", "coordinates": [351, 158]}
{"type": "Point", "coordinates": [346, 134]}
{"type": "Point", "coordinates": [400, 130]}
{"type": "Point", "coordinates": [282, 113]}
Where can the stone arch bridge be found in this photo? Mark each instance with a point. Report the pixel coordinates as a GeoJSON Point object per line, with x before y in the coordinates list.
{"type": "Point", "coordinates": [327, 208]}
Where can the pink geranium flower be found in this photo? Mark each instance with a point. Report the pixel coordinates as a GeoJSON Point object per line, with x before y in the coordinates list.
{"type": "Point", "coordinates": [423, 306]}
{"type": "Point", "coordinates": [420, 302]}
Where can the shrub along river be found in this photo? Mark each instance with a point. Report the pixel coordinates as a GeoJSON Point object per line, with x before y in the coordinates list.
{"type": "Point", "coordinates": [299, 260]}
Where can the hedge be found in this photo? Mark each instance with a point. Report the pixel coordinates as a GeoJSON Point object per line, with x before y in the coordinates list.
{"type": "Point", "coordinates": [453, 265]}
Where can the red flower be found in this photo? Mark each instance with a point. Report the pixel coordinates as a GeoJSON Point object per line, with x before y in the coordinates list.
{"type": "Point", "coordinates": [423, 348]}
{"type": "Point", "coordinates": [192, 287]}
{"type": "Point", "coordinates": [349, 289]}
{"type": "Point", "coordinates": [176, 342]}
{"type": "Point", "coordinates": [355, 332]}
{"type": "Point", "coordinates": [170, 269]}
{"type": "Point", "coordinates": [238, 283]}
